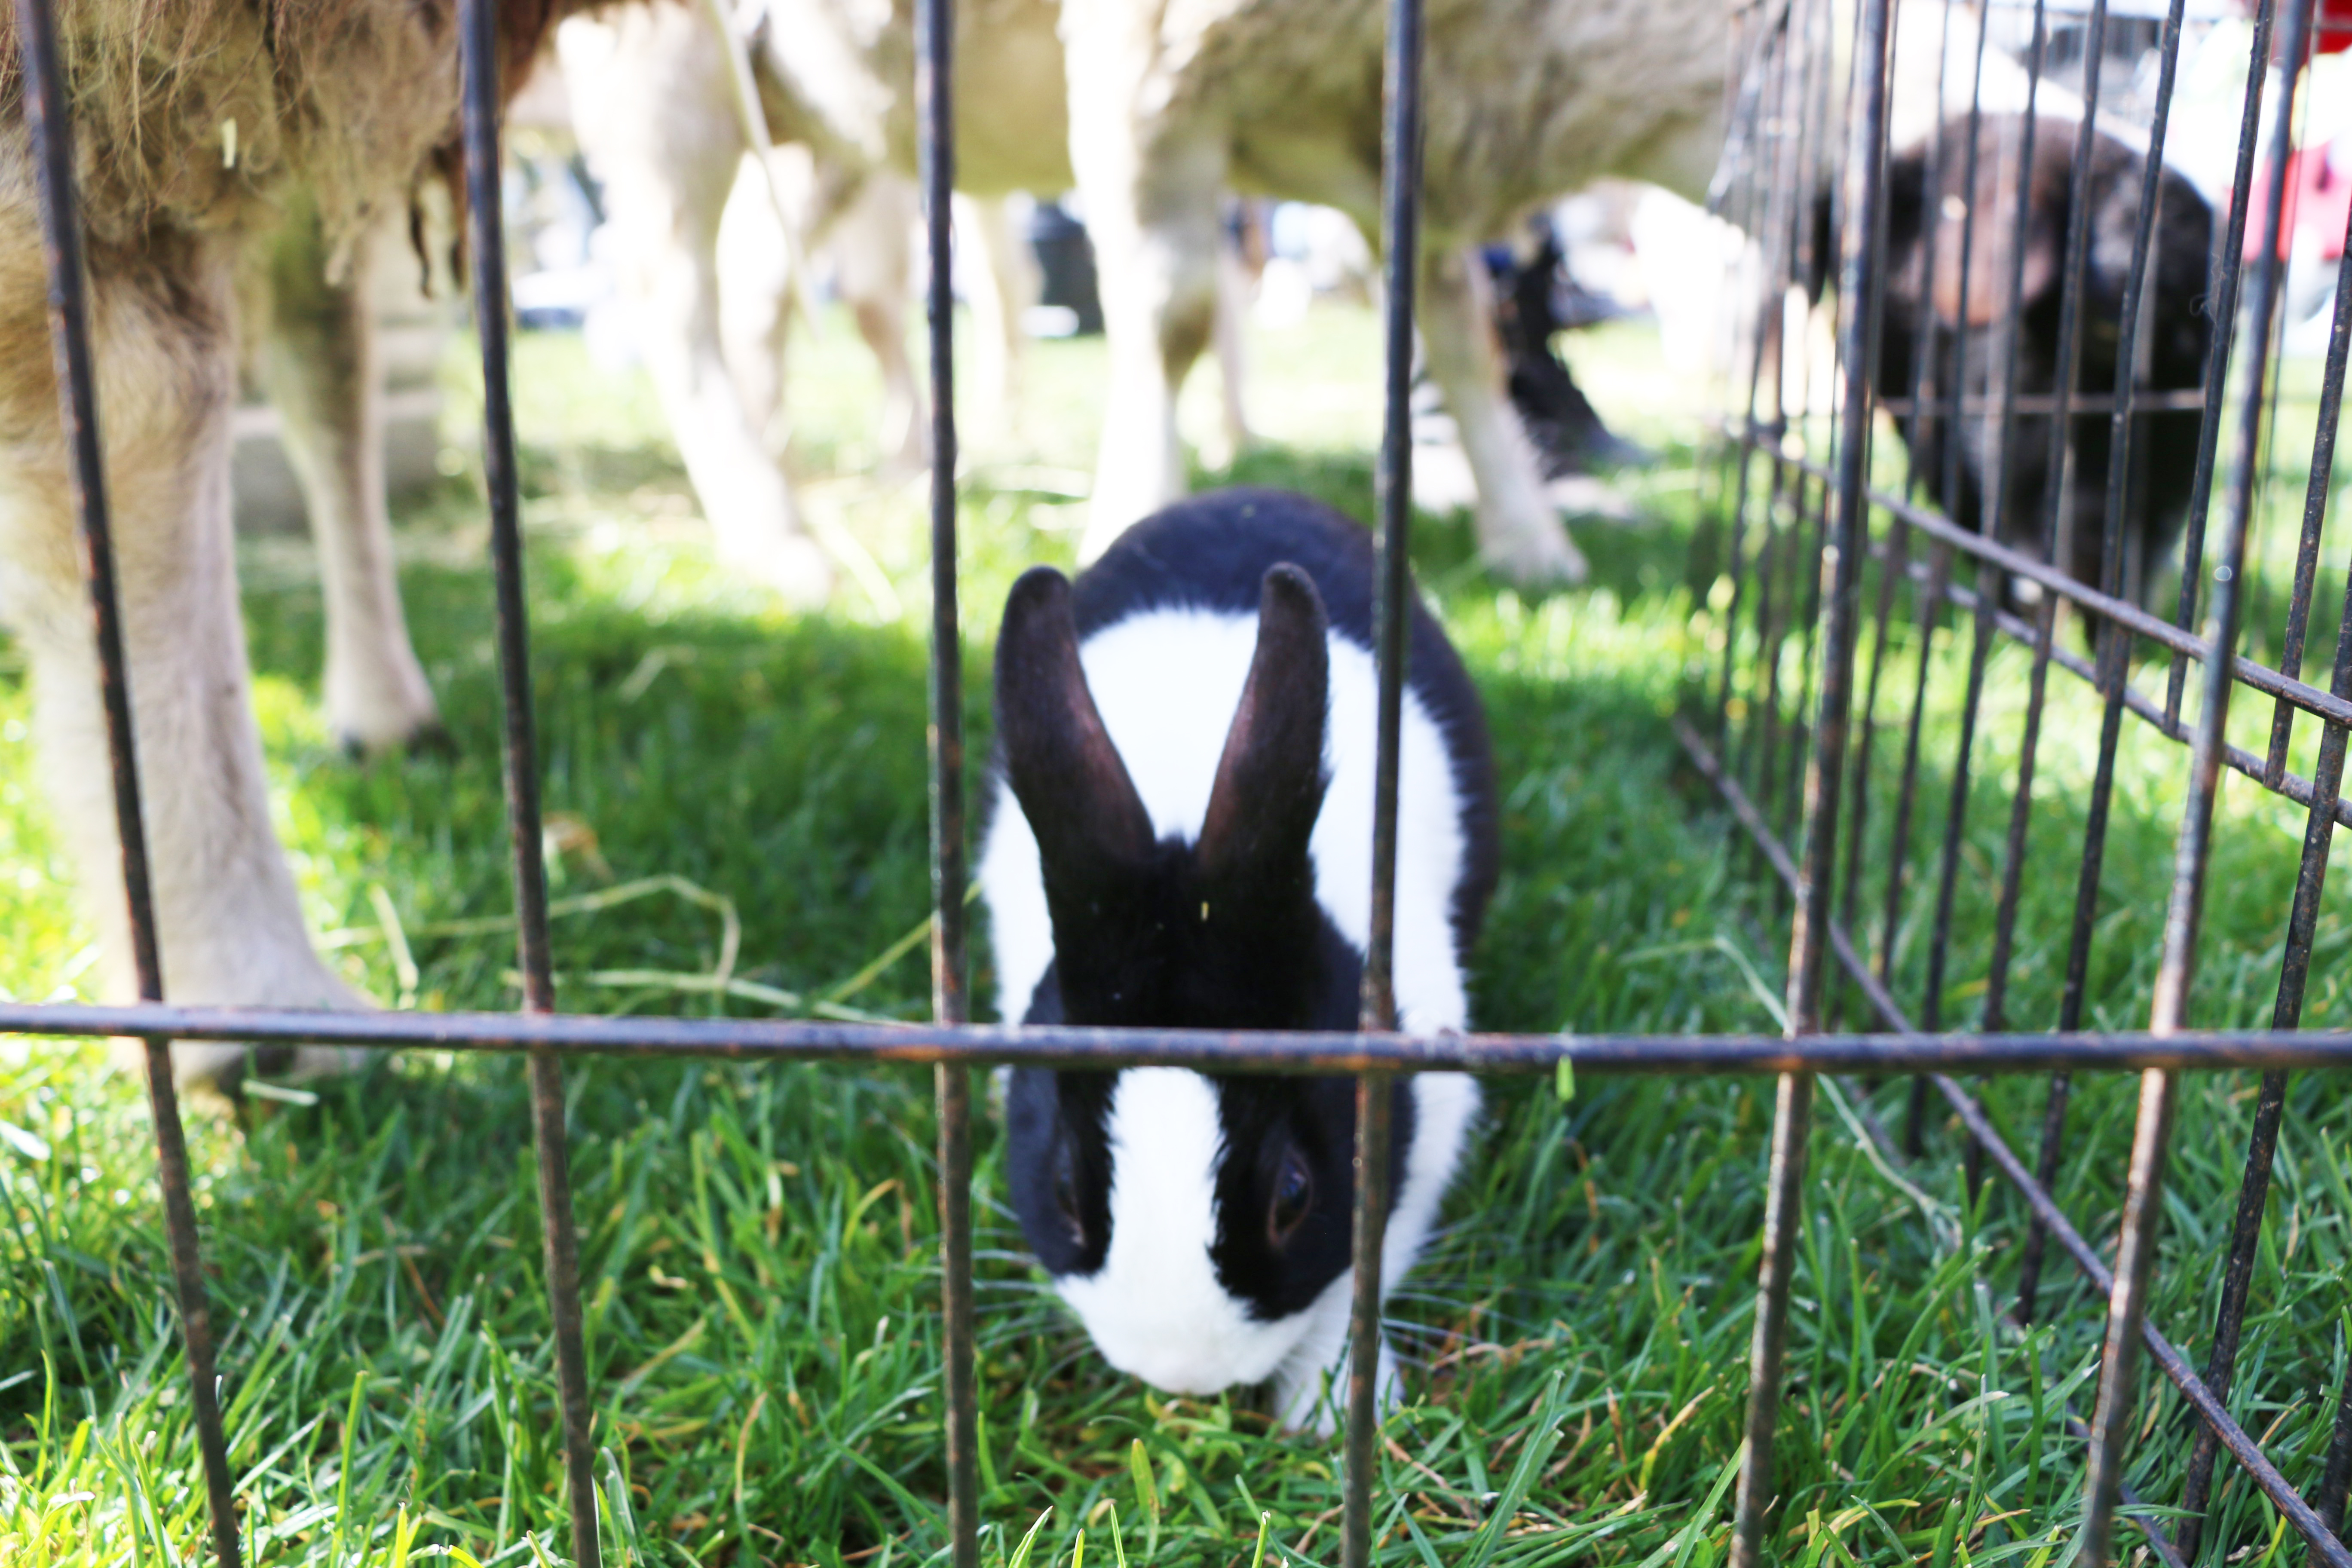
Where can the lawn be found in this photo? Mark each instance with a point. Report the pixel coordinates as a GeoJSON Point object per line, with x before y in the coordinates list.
{"type": "Point", "coordinates": [758, 1243]}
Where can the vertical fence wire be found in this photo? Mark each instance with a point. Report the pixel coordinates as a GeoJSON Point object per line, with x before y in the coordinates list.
{"type": "Point", "coordinates": [1928, 597]}
{"type": "Point", "coordinates": [51, 126]}
{"type": "Point", "coordinates": [2113, 643]}
{"type": "Point", "coordinates": [1810, 934]}
{"type": "Point", "coordinates": [1753, 130]}
{"type": "Point", "coordinates": [1401, 239]}
{"type": "Point", "coordinates": [2229, 270]}
{"type": "Point", "coordinates": [2058, 516]}
{"type": "Point", "coordinates": [950, 999]}
{"type": "Point", "coordinates": [1893, 567]}
{"type": "Point", "coordinates": [2328, 779]}
{"type": "Point", "coordinates": [2018, 162]}
{"type": "Point", "coordinates": [2328, 1502]}
{"type": "Point", "coordinates": [1779, 562]}
{"type": "Point", "coordinates": [1806, 562]}
{"type": "Point", "coordinates": [2315, 512]}
{"type": "Point", "coordinates": [2135, 1244]}
{"type": "Point", "coordinates": [2302, 917]}
{"type": "Point", "coordinates": [1831, 543]}
{"type": "Point", "coordinates": [1374, 1100]}
{"type": "Point", "coordinates": [1931, 1006]}
{"type": "Point", "coordinates": [1772, 141]}
{"type": "Point", "coordinates": [1375, 1092]}
{"type": "Point", "coordinates": [479, 60]}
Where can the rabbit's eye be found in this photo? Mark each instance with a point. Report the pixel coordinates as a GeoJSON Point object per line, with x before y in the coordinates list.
{"type": "Point", "coordinates": [1293, 1195]}
{"type": "Point", "coordinates": [1065, 1199]}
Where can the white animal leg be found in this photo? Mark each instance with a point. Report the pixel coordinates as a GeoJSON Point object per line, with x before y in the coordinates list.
{"type": "Point", "coordinates": [1151, 205]}
{"type": "Point", "coordinates": [872, 262]}
{"type": "Point", "coordinates": [227, 914]}
{"type": "Point", "coordinates": [999, 301]}
{"type": "Point", "coordinates": [1233, 366]}
{"type": "Point", "coordinates": [1520, 535]}
{"type": "Point", "coordinates": [755, 283]}
{"type": "Point", "coordinates": [649, 92]}
{"type": "Point", "coordinates": [318, 360]}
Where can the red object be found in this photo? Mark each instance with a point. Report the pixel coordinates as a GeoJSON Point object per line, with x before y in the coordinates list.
{"type": "Point", "coordinates": [2331, 26]}
{"type": "Point", "coordinates": [2318, 200]}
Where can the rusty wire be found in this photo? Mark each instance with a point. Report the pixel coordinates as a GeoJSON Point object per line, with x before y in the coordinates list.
{"type": "Point", "coordinates": [1783, 711]}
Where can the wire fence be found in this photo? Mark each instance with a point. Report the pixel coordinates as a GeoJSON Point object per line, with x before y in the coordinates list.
{"type": "Point", "coordinates": [2040, 485]}
{"type": "Point", "coordinates": [1821, 554]}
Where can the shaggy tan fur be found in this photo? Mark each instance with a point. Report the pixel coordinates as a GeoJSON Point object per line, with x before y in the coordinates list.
{"type": "Point", "coordinates": [1168, 103]}
{"type": "Point", "coordinates": [1173, 101]}
{"type": "Point", "coordinates": [203, 130]}
{"type": "Point", "coordinates": [193, 113]}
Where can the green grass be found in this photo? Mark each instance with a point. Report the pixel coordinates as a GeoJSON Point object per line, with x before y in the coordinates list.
{"type": "Point", "coordinates": [758, 1243]}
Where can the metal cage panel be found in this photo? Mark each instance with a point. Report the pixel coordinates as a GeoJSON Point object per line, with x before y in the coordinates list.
{"type": "Point", "coordinates": [1821, 551]}
{"type": "Point", "coordinates": [1812, 512]}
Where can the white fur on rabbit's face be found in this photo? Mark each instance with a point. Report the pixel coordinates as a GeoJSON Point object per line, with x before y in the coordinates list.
{"type": "Point", "coordinates": [1156, 1307]}
{"type": "Point", "coordinates": [1199, 1228]}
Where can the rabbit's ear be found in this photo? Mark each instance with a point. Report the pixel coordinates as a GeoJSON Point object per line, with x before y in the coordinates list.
{"type": "Point", "coordinates": [1073, 787]}
{"type": "Point", "coordinates": [1269, 786]}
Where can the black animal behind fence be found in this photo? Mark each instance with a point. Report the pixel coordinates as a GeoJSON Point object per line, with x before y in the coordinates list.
{"type": "Point", "coordinates": [1834, 567]}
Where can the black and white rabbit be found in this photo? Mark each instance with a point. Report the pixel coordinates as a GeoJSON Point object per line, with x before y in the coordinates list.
{"type": "Point", "coordinates": [1181, 837]}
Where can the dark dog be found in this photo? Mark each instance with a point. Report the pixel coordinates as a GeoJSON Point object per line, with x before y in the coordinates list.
{"type": "Point", "coordinates": [1937, 310]}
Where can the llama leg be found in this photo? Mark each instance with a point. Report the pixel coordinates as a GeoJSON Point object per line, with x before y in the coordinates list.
{"type": "Point", "coordinates": [1519, 532]}
{"type": "Point", "coordinates": [1232, 365]}
{"type": "Point", "coordinates": [999, 302]}
{"type": "Point", "coordinates": [227, 914]}
{"type": "Point", "coordinates": [651, 113]}
{"type": "Point", "coordinates": [755, 285]}
{"type": "Point", "coordinates": [872, 260]}
{"type": "Point", "coordinates": [1151, 199]}
{"type": "Point", "coordinates": [318, 360]}
{"type": "Point", "coordinates": [1157, 260]}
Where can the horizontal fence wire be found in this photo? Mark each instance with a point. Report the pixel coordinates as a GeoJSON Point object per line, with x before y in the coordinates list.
{"type": "Point", "coordinates": [2004, 466]}
{"type": "Point", "coordinates": [1063, 1045]}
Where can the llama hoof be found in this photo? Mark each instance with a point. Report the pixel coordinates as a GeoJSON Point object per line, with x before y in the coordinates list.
{"type": "Point", "coordinates": [1538, 557]}
{"type": "Point", "coordinates": [228, 1069]}
{"type": "Point", "coordinates": [228, 966]}
{"type": "Point", "coordinates": [911, 458]}
{"type": "Point", "coordinates": [268, 1072]}
{"type": "Point", "coordinates": [434, 741]}
{"type": "Point", "coordinates": [1614, 451]}
{"type": "Point", "coordinates": [378, 724]}
{"type": "Point", "coordinates": [1589, 496]}
{"type": "Point", "coordinates": [431, 739]}
{"type": "Point", "coordinates": [312, 1063]}
{"type": "Point", "coordinates": [790, 563]}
